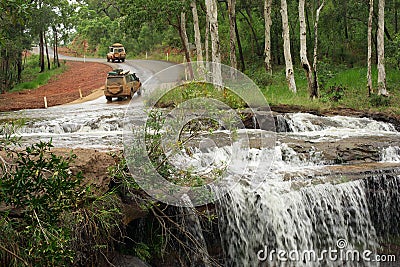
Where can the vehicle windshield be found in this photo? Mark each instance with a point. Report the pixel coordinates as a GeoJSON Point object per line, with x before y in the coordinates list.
{"type": "Point", "coordinates": [114, 81]}
{"type": "Point", "coordinates": [119, 50]}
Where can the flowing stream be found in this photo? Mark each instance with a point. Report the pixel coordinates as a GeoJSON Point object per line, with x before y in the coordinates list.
{"type": "Point", "coordinates": [299, 219]}
{"type": "Point", "coordinates": [294, 206]}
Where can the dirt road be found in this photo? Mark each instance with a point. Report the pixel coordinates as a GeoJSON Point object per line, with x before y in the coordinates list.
{"type": "Point", "coordinates": [61, 89]}
{"type": "Point", "coordinates": [87, 75]}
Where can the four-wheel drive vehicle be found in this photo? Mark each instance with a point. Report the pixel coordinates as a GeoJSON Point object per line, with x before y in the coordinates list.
{"type": "Point", "coordinates": [121, 84]}
{"type": "Point", "coordinates": [116, 52]}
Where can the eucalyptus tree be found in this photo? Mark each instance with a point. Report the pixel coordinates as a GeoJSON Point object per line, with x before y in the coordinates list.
{"type": "Point", "coordinates": [286, 47]}
{"type": "Point", "coordinates": [381, 49]}
{"type": "Point", "coordinates": [369, 56]}
{"type": "Point", "coordinates": [14, 38]}
{"type": "Point", "coordinates": [232, 33]}
{"type": "Point", "coordinates": [303, 49]}
{"type": "Point", "coordinates": [196, 28]}
{"type": "Point", "coordinates": [267, 35]}
{"type": "Point", "coordinates": [315, 89]}
{"type": "Point", "coordinates": [212, 14]}
{"type": "Point", "coordinates": [160, 13]}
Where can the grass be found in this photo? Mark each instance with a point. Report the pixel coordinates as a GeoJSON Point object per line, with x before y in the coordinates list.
{"type": "Point", "coordinates": [160, 55]}
{"type": "Point", "coordinates": [193, 90]}
{"type": "Point", "coordinates": [31, 76]}
{"type": "Point", "coordinates": [340, 87]}
{"type": "Point", "coordinates": [350, 83]}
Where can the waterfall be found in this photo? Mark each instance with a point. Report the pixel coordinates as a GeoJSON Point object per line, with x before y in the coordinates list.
{"type": "Point", "coordinates": [312, 218]}
{"type": "Point", "coordinates": [390, 154]}
{"type": "Point", "coordinates": [304, 122]}
{"type": "Point", "coordinates": [383, 194]}
{"type": "Point", "coordinates": [196, 246]}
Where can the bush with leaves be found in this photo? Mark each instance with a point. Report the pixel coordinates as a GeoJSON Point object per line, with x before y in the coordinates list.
{"type": "Point", "coordinates": [42, 203]}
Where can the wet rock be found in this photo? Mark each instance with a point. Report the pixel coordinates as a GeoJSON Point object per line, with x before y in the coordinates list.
{"type": "Point", "coordinates": [349, 150]}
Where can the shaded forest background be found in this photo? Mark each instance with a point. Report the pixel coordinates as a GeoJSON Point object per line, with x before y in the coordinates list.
{"type": "Point", "coordinates": [90, 26]}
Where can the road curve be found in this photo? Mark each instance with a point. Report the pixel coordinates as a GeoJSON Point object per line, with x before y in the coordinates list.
{"type": "Point", "coordinates": [92, 124]}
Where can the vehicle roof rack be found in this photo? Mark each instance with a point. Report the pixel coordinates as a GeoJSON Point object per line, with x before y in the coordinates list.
{"type": "Point", "coordinates": [116, 72]}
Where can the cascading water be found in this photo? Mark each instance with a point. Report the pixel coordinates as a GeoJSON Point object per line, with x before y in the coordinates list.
{"type": "Point", "coordinates": [282, 214]}
{"type": "Point", "coordinates": [303, 122]}
{"type": "Point", "coordinates": [390, 154]}
{"type": "Point", "coordinates": [74, 126]}
{"type": "Point", "coordinates": [297, 218]}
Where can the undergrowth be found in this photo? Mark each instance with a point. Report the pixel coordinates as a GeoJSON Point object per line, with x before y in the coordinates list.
{"type": "Point", "coordinates": [31, 76]}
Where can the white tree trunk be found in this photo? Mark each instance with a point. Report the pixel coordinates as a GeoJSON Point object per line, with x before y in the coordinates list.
{"type": "Point", "coordinates": [315, 56]}
{"type": "Point", "coordinates": [303, 48]}
{"type": "Point", "coordinates": [267, 47]}
{"type": "Point", "coordinates": [184, 38]}
{"type": "Point", "coordinates": [185, 42]}
{"type": "Point", "coordinates": [197, 36]}
{"type": "Point", "coordinates": [381, 49]}
{"type": "Point", "coordinates": [286, 47]}
{"type": "Point", "coordinates": [215, 48]}
{"type": "Point", "coordinates": [206, 36]}
{"type": "Point", "coordinates": [369, 57]}
{"type": "Point", "coordinates": [232, 33]}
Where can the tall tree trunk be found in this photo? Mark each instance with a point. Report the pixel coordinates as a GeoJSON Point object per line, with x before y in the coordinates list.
{"type": "Point", "coordinates": [232, 34]}
{"type": "Point", "coordinates": [54, 49]}
{"type": "Point", "coordinates": [56, 59]}
{"type": "Point", "coordinates": [303, 49]}
{"type": "Point", "coordinates": [346, 29]}
{"type": "Point", "coordinates": [254, 43]}
{"type": "Point", "coordinates": [381, 49]}
{"type": "Point", "coordinates": [41, 51]}
{"type": "Point", "coordinates": [369, 57]}
{"type": "Point", "coordinates": [185, 41]}
{"type": "Point", "coordinates": [315, 55]}
{"type": "Point", "coordinates": [206, 36]}
{"type": "Point", "coordinates": [286, 47]}
{"type": "Point", "coordinates": [47, 52]}
{"type": "Point", "coordinates": [239, 43]}
{"type": "Point", "coordinates": [267, 46]}
{"type": "Point", "coordinates": [197, 36]}
{"type": "Point", "coordinates": [19, 67]}
{"type": "Point", "coordinates": [212, 12]}
{"type": "Point", "coordinates": [396, 28]}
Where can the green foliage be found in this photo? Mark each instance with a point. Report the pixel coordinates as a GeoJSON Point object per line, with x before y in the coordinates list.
{"type": "Point", "coordinates": [40, 187]}
{"type": "Point", "coordinates": [379, 100]}
{"type": "Point", "coordinates": [347, 85]}
{"type": "Point", "coordinates": [332, 94]}
{"type": "Point", "coordinates": [47, 218]}
{"type": "Point", "coordinates": [40, 182]}
{"type": "Point", "coordinates": [393, 52]}
{"type": "Point", "coordinates": [32, 79]}
{"type": "Point", "coordinates": [200, 89]}
{"type": "Point", "coordinates": [121, 176]}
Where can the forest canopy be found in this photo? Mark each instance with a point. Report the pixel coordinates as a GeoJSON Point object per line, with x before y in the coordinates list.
{"type": "Point", "coordinates": [148, 25]}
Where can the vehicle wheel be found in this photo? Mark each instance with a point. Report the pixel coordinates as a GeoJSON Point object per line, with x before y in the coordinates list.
{"type": "Point", "coordinates": [139, 92]}
{"type": "Point", "coordinates": [123, 60]}
{"type": "Point", "coordinates": [109, 98]}
{"type": "Point", "coordinates": [108, 60]}
{"type": "Point", "coordinates": [113, 60]}
{"type": "Point", "coordinates": [131, 95]}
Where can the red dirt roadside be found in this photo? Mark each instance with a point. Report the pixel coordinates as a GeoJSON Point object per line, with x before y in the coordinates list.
{"type": "Point", "coordinates": [61, 89]}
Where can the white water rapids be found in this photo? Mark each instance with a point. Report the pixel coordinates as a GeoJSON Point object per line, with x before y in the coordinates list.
{"type": "Point", "coordinates": [270, 213]}
{"type": "Point", "coordinates": [281, 214]}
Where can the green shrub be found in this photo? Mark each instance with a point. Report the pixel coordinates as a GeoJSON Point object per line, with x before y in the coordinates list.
{"type": "Point", "coordinates": [47, 218]}
{"type": "Point", "coordinates": [379, 100]}
{"type": "Point", "coordinates": [333, 94]}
